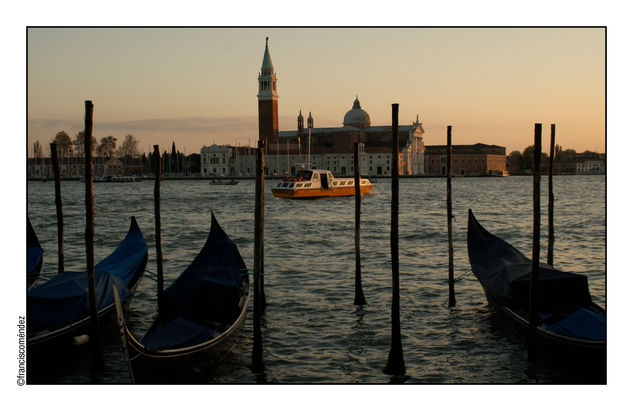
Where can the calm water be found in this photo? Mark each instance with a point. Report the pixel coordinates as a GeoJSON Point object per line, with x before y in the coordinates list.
{"type": "Point", "coordinates": [312, 332]}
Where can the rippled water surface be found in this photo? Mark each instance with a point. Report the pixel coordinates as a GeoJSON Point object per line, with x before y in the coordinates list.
{"type": "Point", "coordinates": [312, 332]}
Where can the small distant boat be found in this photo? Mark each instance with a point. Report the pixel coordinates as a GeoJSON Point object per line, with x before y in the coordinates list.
{"type": "Point", "coordinates": [58, 310]}
{"type": "Point", "coordinates": [498, 173]}
{"type": "Point", "coordinates": [569, 323]}
{"type": "Point", "coordinates": [219, 182]}
{"type": "Point", "coordinates": [318, 183]}
{"type": "Point", "coordinates": [34, 255]}
{"type": "Point", "coordinates": [199, 315]}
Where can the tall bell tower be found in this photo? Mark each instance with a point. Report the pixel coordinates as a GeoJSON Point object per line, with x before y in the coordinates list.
{"type": "Point", "coordinates": [267, 101]}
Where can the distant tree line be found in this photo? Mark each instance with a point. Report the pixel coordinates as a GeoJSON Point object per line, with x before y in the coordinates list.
{"type": "Point", "coordinates": [128, 153]}
{"type": "Point", "coordinates": [564, 160]}
{"type": "Point", "coordinates": [66, 147]}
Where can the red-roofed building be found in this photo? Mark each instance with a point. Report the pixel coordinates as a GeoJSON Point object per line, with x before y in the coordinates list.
{"type": "Point", "coordinates": [468, 160]}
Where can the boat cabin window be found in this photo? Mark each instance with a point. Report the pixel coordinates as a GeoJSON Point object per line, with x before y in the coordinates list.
{"type": "Point", "coordinates": [307, 185]}
{"type": "Point", "coordinates": [298, 185]}
{"type": "Point", "coordinates": [305, 174]}
{"type": "Point", "coordinates": [315, 176]}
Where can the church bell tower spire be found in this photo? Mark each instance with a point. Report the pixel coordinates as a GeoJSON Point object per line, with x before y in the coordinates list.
{"type": "Point", "coordinates": [267, 100]}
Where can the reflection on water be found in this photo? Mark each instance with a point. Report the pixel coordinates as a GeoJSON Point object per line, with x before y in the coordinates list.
{"type": "Point", "coordinates": [312, 332]}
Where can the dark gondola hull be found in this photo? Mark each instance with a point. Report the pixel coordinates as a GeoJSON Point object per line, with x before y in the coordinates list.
{"type": "Point", "coordinates": [34, 255]}
{"type": "Point", "coordinates": [586, 358]}
{"type": "Point", "coordinates": [183, 365]}
{"type": "Point", "coordinates": [499, 268]}
{"type": "Point", "coordinates": [127, 266]}
{"type": "Point", "coordinates": [200, 317]}
{"type": "Point", "coordinates": [64, 337]}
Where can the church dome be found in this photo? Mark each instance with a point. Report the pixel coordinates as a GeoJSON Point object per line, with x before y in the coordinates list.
{"type": "Point", "coordinates": [356, 117]}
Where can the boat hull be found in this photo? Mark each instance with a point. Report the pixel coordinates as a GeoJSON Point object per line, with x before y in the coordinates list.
{"type": "Point", "coordinates": [570, 328]}
{"type": "Point", "coordinates": [34, 255]}
{"type": "Point", "coordinates": [319, 192]}
{"type": "Point", "coordinates": [594, 348]}
{"type": "Point", "coordinates": [64, 336]}
{"type": "Point", "coordinates": [183, 364]}
{"type": "Point", "coordinates": [127, 262]}
{"type": "Point", "coordinates": [587, 359]}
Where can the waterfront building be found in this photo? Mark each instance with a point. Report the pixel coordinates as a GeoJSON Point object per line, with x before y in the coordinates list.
{"type": "Point", "coordinates": [590, 167]}
{"type": "Point", "coordinates": [226, 160]}
{"type": "Point", "coordinates": [216, 160]}
{"type": "Point", "coordinates": [468, 160]}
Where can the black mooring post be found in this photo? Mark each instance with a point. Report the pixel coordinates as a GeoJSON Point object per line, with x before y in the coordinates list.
{"type": "Point", "coordinates": [449, 217]}
{"type": "Point", "coordinates": [550, 208]}
{"type": "Point", "coordinates": [262, 296]}
{"type": "Point", "coordinates": [257, 363]}
{"type": "Point", "coordinates": [395, 361]}
{"type": "Point", "coordinates": [536, 235]}
{"type": "Point", "coordinates": [58, 207]}
{"type": "Point", "coordinates": [157, 222]}
{"type": "Point", "coordinates": [359, 298]}
{"type": "Point", "coordinates": [89, 237]}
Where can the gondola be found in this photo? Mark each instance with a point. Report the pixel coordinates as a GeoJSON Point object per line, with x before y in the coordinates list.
{"type": "Point", "coordinates": [34, 255]}
{"type": "Point", "coordinates": [59, 309]}
{"type": "Point", "coordinates": [570, 326]}
{"type": "Point", "coordinates": [199, 315]}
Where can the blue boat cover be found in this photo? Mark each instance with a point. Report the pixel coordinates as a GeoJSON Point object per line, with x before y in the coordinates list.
{"type": "Point", "coordinates": [582, 323]}
{"type": "Point", "coordinates": [65, 299]}
{"type": "Point", "coordinates": [209, 289]}
{"type": "Point", "coordinates": [178, 333]}
{"type": "Point", "coordinates": [505, 274]}
{"type": "Point", "coordinates": [125, 261]}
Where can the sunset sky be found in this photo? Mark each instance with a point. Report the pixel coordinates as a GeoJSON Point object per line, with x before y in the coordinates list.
{"type": "Point", "coordinates": [198, 86]}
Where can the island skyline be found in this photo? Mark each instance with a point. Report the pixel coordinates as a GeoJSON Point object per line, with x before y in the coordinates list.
{"type": "Point", "coordinates": [191, 85]}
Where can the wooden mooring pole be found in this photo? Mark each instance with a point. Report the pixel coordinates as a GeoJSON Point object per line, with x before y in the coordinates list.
{"type": "Point", "coordinates": [449, 217]}
{"type": "Point", "coordinates": [58, 206]}
{"type": "Point", "coordinates": [536, 235]}
{"type": "Point", "coordinates": [90, 230]}
{"type": "Point", "coordinates": [550, 208]}
{"type": "Point", "coordinates": [262, 296]}
{"type": "Point", "coordinates": [359, 298]}
{"type": "Point", "coordinates": [257, 363]}
{"type": "Point", "coordinates": [159, 248]}
{"type": "Point", "coordinates": [395, 361]}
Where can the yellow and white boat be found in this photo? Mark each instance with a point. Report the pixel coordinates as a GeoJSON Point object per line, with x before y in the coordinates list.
{"type": "Point", "coordinates": [318, 183]}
